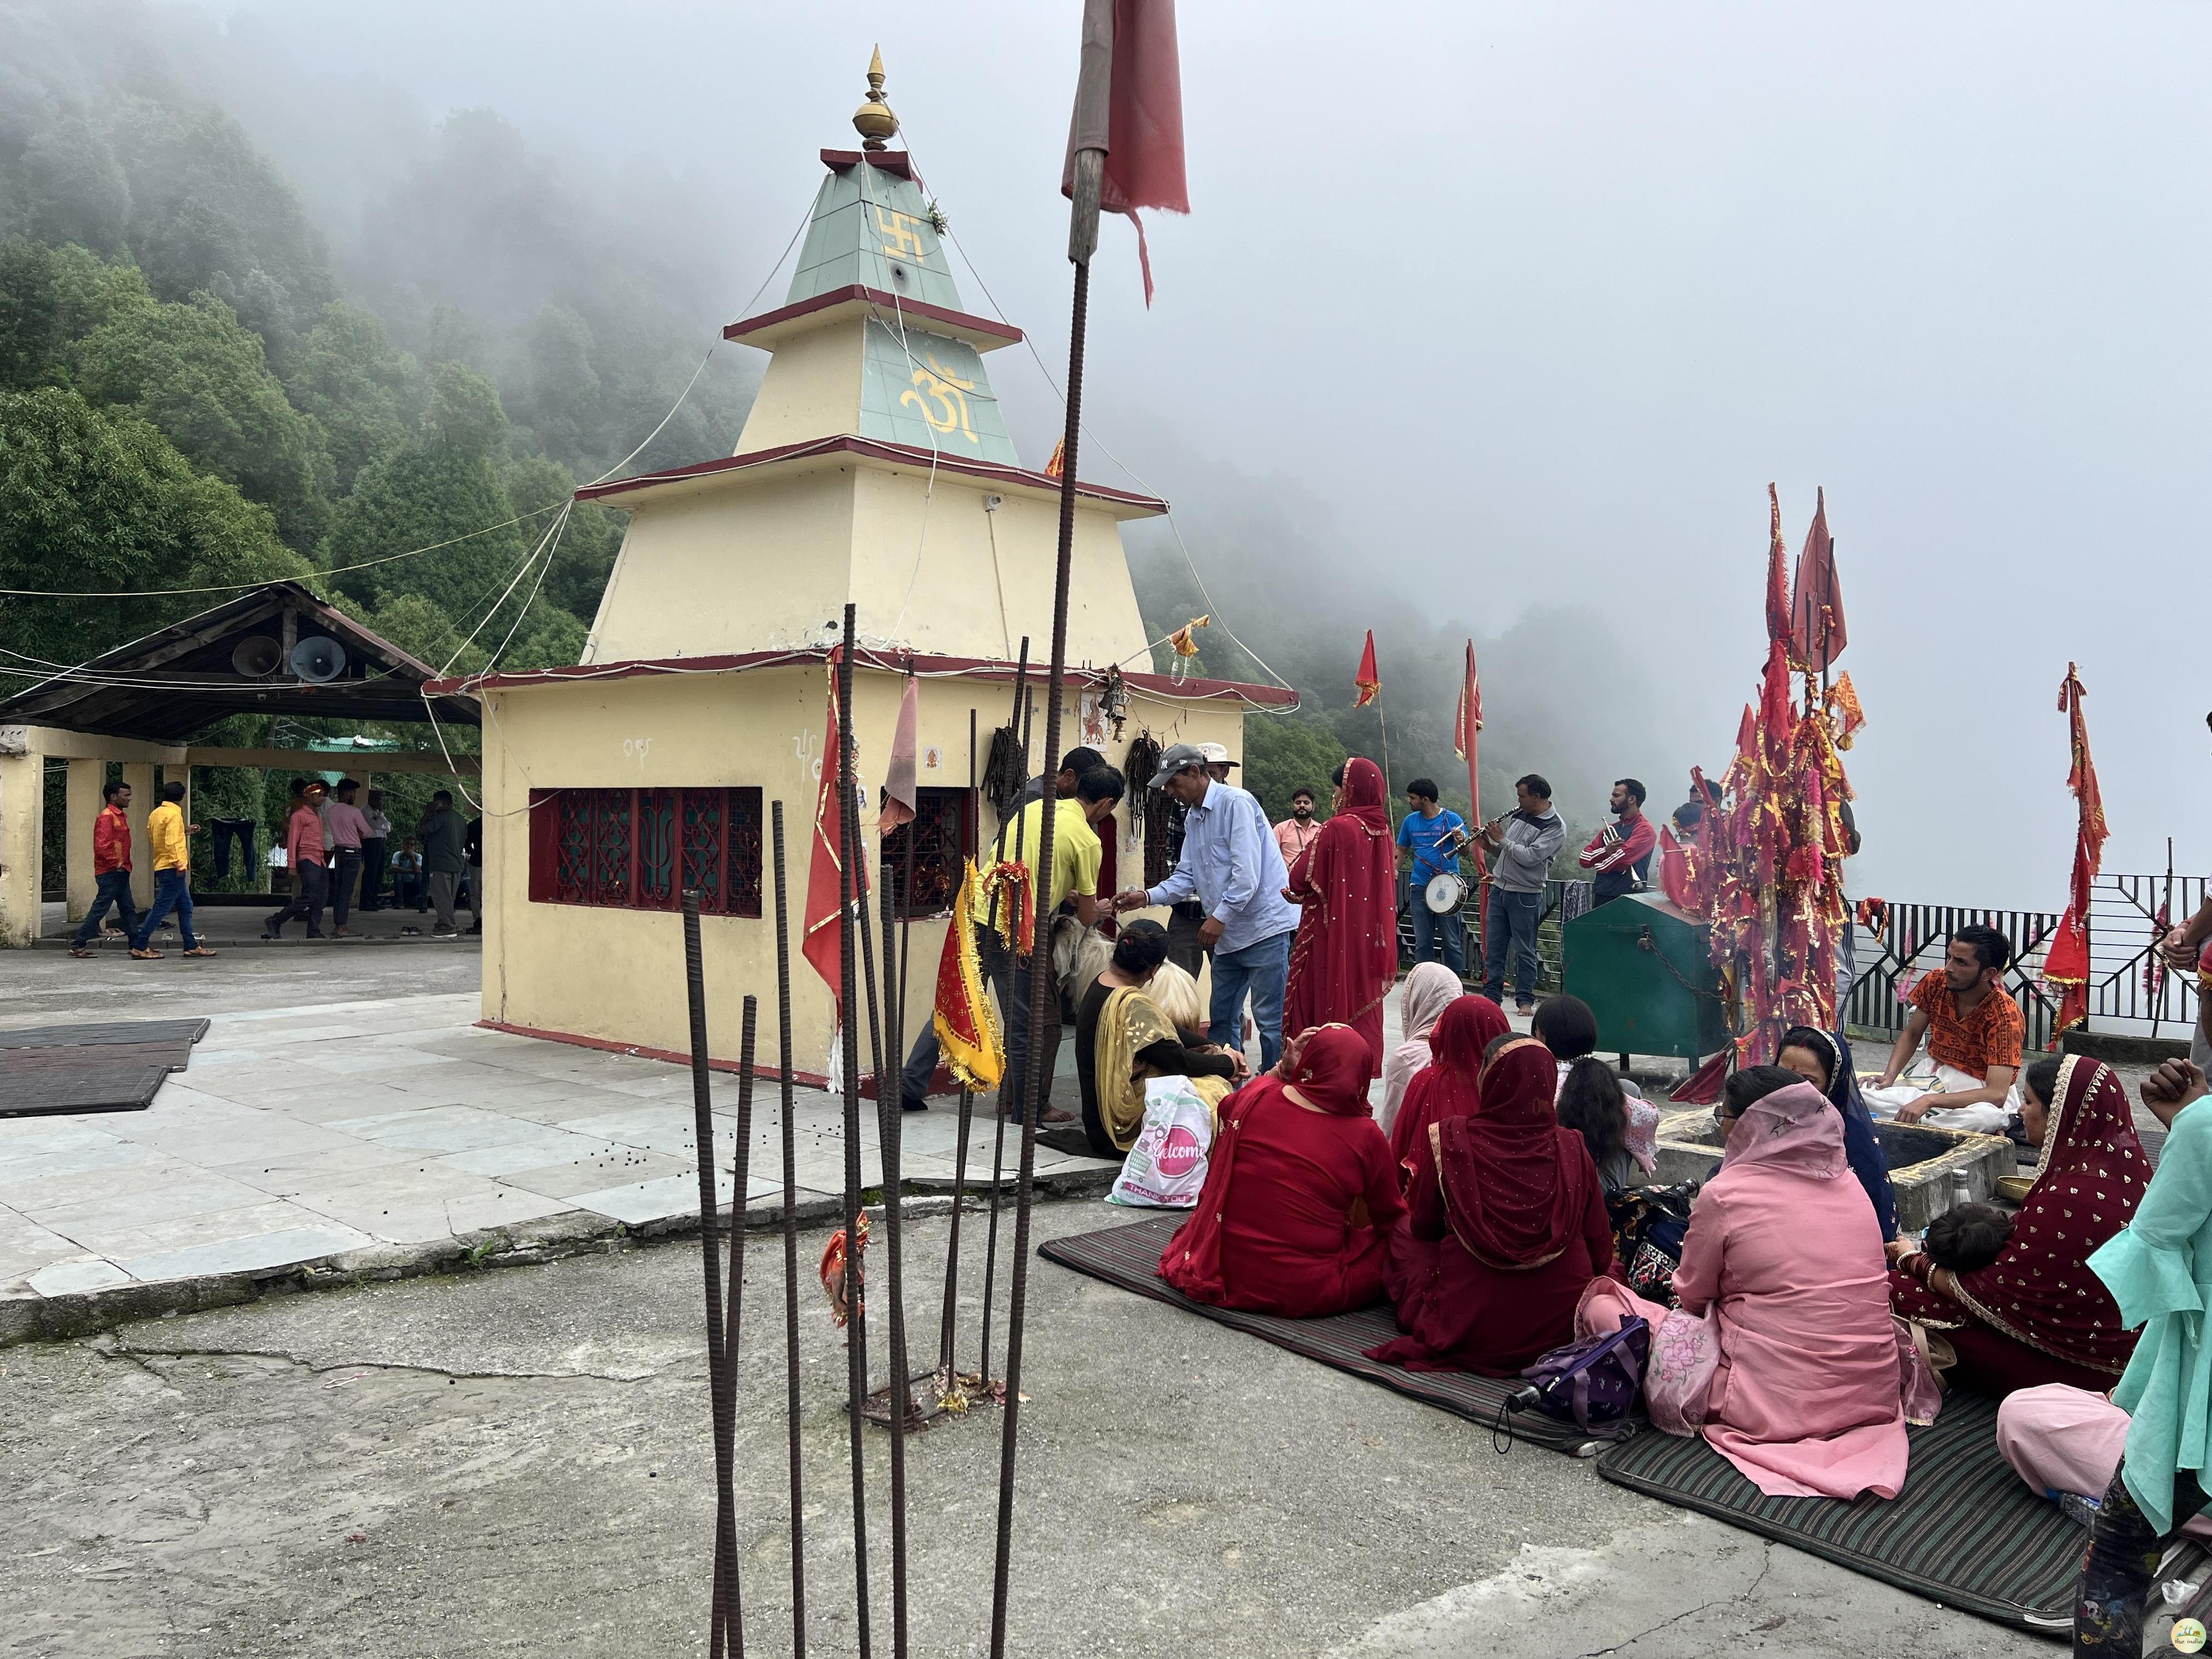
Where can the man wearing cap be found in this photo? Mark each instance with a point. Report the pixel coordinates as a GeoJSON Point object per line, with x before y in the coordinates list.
{"type": "Point", "coordinates": [1231, 866]}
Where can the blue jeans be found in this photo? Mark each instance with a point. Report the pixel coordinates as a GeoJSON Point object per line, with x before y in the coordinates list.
{"type": "Point", "coordinates": [1263, 969]}
{"type": "Point", "coordinates": [115, 890]}
{"type": "Point", "coordinates": [1429, 926]}
{"type": "Point", "coordinates": [1510, 919]}
{"type": "Point", "coordinates": [172, 890]}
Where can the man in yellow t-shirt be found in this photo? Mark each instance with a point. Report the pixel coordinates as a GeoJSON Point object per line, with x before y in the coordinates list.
{"type": "Point", "coordinates": [1077, 854]}
{"type": "Point", "coordinates": [173, 885]}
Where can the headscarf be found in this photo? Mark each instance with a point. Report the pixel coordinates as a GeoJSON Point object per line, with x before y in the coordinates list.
{"type": "Point", "coordinates": [1345, 957]}
{"type": "Point", "coordinates": [2089, 1177]}
{"type": "Point", "coordinates": [1427, 992]}
{"type": "Point", "coordinates": [1792, 1131]}
{"type": "Point", "coordinates": [1450, 1087]}
{"type": "Point", "coordinates": [1330, 1067]}
{"type": "Point", "coordinates": [1516, 1185]}
{"type": "Point", "coordinates": [1862, 1144]}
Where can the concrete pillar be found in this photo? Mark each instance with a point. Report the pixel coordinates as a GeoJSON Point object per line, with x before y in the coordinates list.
{"type": "Point", "coordinates": [22, 839]}
{"type": "Point", "coordinates": [85, 778]}
{"type": "Point", "coordinates": [139, 774]}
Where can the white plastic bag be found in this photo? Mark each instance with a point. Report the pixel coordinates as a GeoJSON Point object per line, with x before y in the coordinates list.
{"type": "Point", "coordinates": [1166, 1167]}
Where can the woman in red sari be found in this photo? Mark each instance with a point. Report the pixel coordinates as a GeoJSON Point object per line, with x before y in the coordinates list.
{"type": "Point", "coordinates": [1448, 1085]}
{"type": "Point", "coordinates": [1344, 959]}
{"type": "Point", "coordinates": [1512, 1206]}
{"type": "Point", "coordinates": [2037, 1314]}
{"type": "Point", "coordinates": [1300, 1192]}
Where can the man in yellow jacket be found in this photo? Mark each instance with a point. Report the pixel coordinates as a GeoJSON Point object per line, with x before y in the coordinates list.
{"type": "Point", "coordinates": [173, 870]}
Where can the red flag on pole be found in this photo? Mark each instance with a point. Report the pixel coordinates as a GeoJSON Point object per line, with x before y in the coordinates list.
{"type": "Point", "coordinates": [1817, 636]}
{"type": "Point", "coordinates": [2066, 963]}
{"type": "Point", "coordinates": [1129, 103]}
{"type": "Point", "coordinates": [1368, 680]}
{"type": "Point", "coordinates": [818, 940]}
{"type": "Point", "coordinates": [1466, 728]}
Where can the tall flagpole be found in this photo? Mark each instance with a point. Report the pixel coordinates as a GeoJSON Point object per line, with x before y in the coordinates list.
{"type": "Point", "coordinates": [1082, 242]}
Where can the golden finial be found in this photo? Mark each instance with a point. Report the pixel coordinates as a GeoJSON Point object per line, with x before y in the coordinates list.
{"type": "Point", "coordinates": [873, 120]}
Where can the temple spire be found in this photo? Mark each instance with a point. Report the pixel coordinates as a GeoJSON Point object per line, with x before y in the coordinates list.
{"type": "Point", "coordinates": [873, 120]}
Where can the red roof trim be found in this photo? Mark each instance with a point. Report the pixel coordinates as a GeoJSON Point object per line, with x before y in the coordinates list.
{"type": "Point", "coordinates": [889, 161]}
{"type": "Point", "coordinates": [848, 443]}
{"type": "Point", "coordinates": [838, 296]}
{"type": "Point", "coordinates": [890, 662]}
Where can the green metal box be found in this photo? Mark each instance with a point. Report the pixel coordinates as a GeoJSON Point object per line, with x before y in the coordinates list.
{"type": "Point", "coordinates": [1645, 970]}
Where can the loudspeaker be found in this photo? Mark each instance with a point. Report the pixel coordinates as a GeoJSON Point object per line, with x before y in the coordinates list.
{"type": "Point", "coordinates": [319, 660]}
{"type": "Point", "coordinates": [256, 656]}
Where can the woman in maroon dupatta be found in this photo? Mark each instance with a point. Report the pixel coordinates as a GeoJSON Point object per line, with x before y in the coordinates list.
{"type": "Point", "coordinates": [1300, 1193]}
{"type": "Point", "coordinates": [1449, 1085]}
{"type": "Point", "coordinates": [1345, 957]}
{"type": "Point", "coordinates": [2037, 1314]}
{"type": "Point", "coordinates": [1512, 1207]}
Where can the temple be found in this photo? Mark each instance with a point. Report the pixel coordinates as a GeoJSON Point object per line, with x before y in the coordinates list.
{"type": "Point", "coordinates": [874, 469]}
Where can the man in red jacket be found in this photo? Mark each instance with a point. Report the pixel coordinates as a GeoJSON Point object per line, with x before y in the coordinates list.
{"type": "Point", "coordinates": [1618, 856]}
{"type": "Point", "coordinates": [111, 867]}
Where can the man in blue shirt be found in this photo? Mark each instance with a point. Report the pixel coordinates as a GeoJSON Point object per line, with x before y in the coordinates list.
{"type": "Point", "coordinates": [1231, 865]}
{"type": "Point", "coordinates": [1433, 837]}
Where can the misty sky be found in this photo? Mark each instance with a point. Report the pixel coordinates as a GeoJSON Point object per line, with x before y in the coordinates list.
{"type": "Point", "coordinates": [1534, 300]}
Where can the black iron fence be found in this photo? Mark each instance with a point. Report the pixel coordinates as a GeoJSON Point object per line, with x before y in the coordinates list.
{"type": "Point", "coordinates": [2131, 991]}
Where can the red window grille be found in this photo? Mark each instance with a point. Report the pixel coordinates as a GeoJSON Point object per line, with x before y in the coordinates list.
{"type": "Point", "coordinates": [942, 836]}
{"type": "Point", "coordinates": [638, 849]}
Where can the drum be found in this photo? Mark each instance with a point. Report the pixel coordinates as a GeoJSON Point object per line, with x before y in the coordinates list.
{"type": "Point", "coordinates": [1444, 894]}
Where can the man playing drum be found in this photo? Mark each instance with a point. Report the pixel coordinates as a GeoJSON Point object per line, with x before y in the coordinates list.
{"type": "Point", "coordinates": [1434, 837]}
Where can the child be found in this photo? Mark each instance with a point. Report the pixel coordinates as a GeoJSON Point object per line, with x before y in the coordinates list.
{"type": "Point", "coordinates": [1967, 1237]}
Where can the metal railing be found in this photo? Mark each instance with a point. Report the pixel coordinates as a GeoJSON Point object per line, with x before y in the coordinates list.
{"type": "Point", "coordinates": [1563, 902]}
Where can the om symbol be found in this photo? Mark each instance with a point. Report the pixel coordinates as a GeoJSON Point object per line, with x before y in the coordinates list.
{"type": "Point", "coordinates": [942, 400]}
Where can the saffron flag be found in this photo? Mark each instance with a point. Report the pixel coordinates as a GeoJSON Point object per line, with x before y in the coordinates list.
{"type": "Point", "coordinates": [898, 777]}
{"type": "Point", "coordinates": [1368, 679]}
{"type": "Point", "coordinates": [1184, 638]}
{"type": "Point", "coordinates": [2066, 963]}
{"type": "Point", "coordinates": [1129, 103]}
{"type": "Point", "coordinates": [1817, 635]}
{"type": "Point", "coordinates": [818, 941]}
{"type": "Point", "coordinates": [966, 1032]}
{"type": "Point", "coordinates": [1466, 729]}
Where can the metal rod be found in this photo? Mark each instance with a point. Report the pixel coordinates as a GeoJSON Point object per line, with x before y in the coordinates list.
{"type": "Point", "coordinates": [947, 1362]}
{"type": "Point", "coordinates": [891, 1116]}
{"type": "Point", "coordinates": [790, 1240]}
{"type": "Point", "coordinates": [722, 1608]}
{"type": "Point", "coordinates": [998, 1143]}
{"type": "Point", "coordinates": [1043, 994]}
{"type": "Point", "coordinates": [740, 1177]}
{"type": "Point", "coordinates": [856, 1338]}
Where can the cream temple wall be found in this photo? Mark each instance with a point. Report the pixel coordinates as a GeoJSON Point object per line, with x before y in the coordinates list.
{"type": "Point", "coordinates": [617, 976]}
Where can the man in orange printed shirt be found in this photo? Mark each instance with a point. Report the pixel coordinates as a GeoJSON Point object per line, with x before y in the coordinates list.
{"type": "Point", "coordinates": [1975, 1033]}
{"type": "Point", "coordinates": [111, 867]}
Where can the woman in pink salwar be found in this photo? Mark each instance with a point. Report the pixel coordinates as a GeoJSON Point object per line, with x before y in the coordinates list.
{"type": "Point", "coordinates": [1784, 1249]}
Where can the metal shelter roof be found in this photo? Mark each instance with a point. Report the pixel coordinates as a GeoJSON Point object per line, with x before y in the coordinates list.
{"type": "Point", "coordinates": [179, 678]}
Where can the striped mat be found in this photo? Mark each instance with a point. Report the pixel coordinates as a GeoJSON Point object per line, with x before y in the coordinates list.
{"type": "Point", "coordinates": [1127, 1256]}
{"type": "Point", "coordinates": [1964, 1532]}
{"type": "Point", "coordinates": [103, 1067]}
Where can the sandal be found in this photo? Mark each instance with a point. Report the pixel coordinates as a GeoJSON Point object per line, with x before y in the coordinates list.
{"type": "Point", "coordinates": [82, 951]}
{"type": "Point", "coordinates": [146, 955]}
{"type": "Point", "coordinates": [200, 951]}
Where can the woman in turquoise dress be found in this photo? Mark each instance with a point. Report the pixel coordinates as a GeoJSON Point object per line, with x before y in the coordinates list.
{"type": "Point", "coordinates": [2158, 1269]}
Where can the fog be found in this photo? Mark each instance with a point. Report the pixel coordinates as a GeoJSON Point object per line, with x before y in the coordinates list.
{"type": "Point", "coordinates": [1492, 320]}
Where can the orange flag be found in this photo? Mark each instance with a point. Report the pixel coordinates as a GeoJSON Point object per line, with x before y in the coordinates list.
{"type": "Point", "coordinates": [1368, 679]}
{"type": "Point", "coordinates": [2066, 963]}
{"type": "Point", "coordinates": [819, 939]}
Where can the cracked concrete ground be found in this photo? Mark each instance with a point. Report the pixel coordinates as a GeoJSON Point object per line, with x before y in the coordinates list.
{"type": "Point", "coordinates": [493, 1465]}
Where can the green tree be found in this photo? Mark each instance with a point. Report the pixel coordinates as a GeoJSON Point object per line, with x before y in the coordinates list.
{"type": "Point", "coordinates": [201, 376]}
{"type": "Point", "coordinates": [100, 500]}
{"type": "Point", "coordinates": [51, 298]}
{"type": "Point", "coordinates": [367, 398]}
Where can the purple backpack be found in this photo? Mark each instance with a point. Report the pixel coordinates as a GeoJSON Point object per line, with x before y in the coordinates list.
{"type": "Point", "coordinates": [1593, 1383]}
